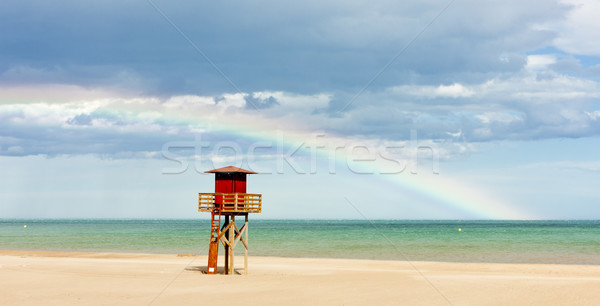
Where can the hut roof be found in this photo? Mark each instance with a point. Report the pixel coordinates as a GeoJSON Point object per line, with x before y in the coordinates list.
{"type": "Point", "coordinates": [230, 169]}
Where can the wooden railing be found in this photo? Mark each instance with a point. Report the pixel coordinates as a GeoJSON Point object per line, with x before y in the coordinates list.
{"type": "Point", "coordinates": [230, 202]}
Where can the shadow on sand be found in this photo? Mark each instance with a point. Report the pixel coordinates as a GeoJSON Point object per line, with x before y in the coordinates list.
{"type": "Point", "coordinates": [202, 269]}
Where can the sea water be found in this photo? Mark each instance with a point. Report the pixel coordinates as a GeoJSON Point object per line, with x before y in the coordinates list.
{"type": "Point", "coordinates": [567, 242]}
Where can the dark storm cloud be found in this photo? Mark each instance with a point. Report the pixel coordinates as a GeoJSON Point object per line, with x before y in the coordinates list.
{"type": "Point", "coordinates": [303, 47]}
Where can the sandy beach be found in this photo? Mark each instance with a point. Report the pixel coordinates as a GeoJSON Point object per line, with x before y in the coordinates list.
{"type": "Point", "coordinates": [59, 278]}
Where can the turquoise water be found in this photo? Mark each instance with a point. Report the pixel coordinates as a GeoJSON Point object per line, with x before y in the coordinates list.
{"type": "Point", "coordinates": [570, 242]}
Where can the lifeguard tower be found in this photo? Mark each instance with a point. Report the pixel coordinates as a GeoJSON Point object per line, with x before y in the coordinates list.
{"type": "Point", "coordinates": [230, 200]}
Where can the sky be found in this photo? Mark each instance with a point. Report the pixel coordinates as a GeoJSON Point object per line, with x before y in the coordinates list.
{"type": "Point", "coordinates": [347, 109]}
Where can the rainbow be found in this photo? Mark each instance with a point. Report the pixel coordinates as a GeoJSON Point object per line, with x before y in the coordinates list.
{"type": "Point", "coordinates": [203, 116]}
{"type": "Point", "coordinates": [451, 194]}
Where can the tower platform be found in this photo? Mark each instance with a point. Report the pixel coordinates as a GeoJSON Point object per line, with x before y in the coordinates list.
{"type": "Point", "coordinates": [230, 203]}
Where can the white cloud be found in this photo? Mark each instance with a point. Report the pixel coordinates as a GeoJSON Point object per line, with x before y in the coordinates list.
{"type": "Point", "coordinates": [595, 115]}
{"type": "Point", "coordinates": [528, 105]}
{"type": "Point", "coordinates": [455, 90]}
{"type": "Point", "coordinates": [54, 93]}
{"type": "Point", "coordinates": [539, 62]}
{"type": "Point", "coordinates": [593, 165]}
{"type": "Point", "coordinates": [233, 100]}
{"type": "Point", "coordinates": [289, 101]}
{"type": "Point", "coordinates": [539, 87]}
{"type": "Point", "coordinates": [188, 100]}
{"type": "Point", "coordinates": [500, 117]}
{"type": "Point", "coordinates": [578, 33]}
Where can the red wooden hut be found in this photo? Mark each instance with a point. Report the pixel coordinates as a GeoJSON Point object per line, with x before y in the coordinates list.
{"type": "Point", "coordinates": [229, 200]}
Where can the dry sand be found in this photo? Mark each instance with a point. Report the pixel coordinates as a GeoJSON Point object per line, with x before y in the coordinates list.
{"type": "Point", "coordinates": [51, 278]}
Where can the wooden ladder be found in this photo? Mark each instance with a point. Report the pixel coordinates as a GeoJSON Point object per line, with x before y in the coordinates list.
{"type": "Point", "coordinates": [213, 248]}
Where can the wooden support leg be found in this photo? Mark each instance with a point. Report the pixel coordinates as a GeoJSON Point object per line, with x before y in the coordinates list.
{"type": "Point", "coordinates": [246, 245]}
{"type": "Point", "coordinates": [226, 270]}
{"type": "Point", "coordinates": [231, 238]}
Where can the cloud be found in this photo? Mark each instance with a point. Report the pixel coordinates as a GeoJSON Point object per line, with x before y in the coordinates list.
{"type": "Point", "coordinates": [455, 90]}
{"type": "Point", "coordinates": [577, 33]}
{"type": "Point", "coordinates": [587, 166]}
{"type": "Point", "coordinates": [533, 104]}
{"type": "Point", "coordinates": [128, 82]}
{"type": "Point", "coordinates": [504, 118]}
{"type": "Point", "coordinates": [537, 62]}
{"type": "Point", "coordinates": [307, 48]}
{"type": "Point", "coordinates": [595, 115]}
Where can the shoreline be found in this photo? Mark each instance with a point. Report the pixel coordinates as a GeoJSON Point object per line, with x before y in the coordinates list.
{"type": "Point", "coordinates": [34, 277]}
{"type": "Point", "coordinates": [37, 252]}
